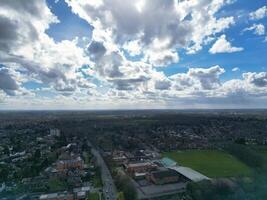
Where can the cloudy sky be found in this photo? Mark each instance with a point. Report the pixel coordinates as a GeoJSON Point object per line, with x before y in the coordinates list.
{"type": "Point", "coordinates": [133, 54]}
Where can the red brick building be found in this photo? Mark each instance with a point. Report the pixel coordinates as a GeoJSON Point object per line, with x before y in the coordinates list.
{"type": "Point", "coordinates": [76, 163]}
{"type": "Point", "coordinates": [163, 176]}
{"type": "Point", "coordinates": [140, 167]}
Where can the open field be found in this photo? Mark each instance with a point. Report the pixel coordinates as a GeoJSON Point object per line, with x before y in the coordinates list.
{"type": "Point", "coordinates": [211, 163]}
{"type": "Point", "coordinates": [262, 150]}
{"type": "Point", "coordinates": [93, 196]}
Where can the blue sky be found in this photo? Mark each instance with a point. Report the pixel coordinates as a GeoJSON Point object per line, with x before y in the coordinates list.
{"type": "Point", "coordinates": [72, 26]}
{"type": "Point", "coordinates": [115, 52]}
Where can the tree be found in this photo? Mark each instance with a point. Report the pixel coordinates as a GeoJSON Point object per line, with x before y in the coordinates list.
{"type": "Point", "coordinates": [37, 155]}
{"type": "Point", "coordinates": [240, 141]}
{"type": "Point", "coordinates": [6, 150]}
{"type": "Point", "coordinates": [129, 191]}
{"type": "Point", "coordinates": [4, 172]}
{"type": "Point", "coordinates": [211, 190]}
{"type": "Point", "coordinates": [247, 155]}
{"type": "Point", "coordinates": [125, 185]}
{"type": "Point", "coordinates": [120, 196]}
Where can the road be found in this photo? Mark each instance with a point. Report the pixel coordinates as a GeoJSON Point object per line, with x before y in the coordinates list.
{"type": "Point", "coordinates": [109, 189]}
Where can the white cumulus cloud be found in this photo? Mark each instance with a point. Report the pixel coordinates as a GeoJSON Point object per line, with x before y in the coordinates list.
{"type": "Point", "coordinates": [259, 13]}
{"type": "Point", "coordinates": [147, 28]}
{"type": "Point", "coordinates": [235, 69]}
{"type": "Point", "coordinates": [258, 29]}
{"type": "Point", "coordinates": [224, 46]}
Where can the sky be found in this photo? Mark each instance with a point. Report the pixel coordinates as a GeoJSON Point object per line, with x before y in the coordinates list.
{"type": "Point", "coordinates": [133, 54]}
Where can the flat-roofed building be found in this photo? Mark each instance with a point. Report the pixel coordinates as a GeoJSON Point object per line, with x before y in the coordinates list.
{"type": "Point", "coordinates": [190, 174]}
{"type": "Point", "coordinates": [165, 176]}
{"type": "Point", "coordinates": [141, 167]}
{"type": "Point", "coordinates": [166, 162]}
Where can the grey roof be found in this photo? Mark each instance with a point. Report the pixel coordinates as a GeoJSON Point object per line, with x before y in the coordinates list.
{"type": "Point", "coordinates": [48, 196]}
{"type": "Point", "coordinates": [165, 173]}
{"type": "Point", "coordinates": [190, 173]}
{"type": "Point", "coordinates": [167, 162]}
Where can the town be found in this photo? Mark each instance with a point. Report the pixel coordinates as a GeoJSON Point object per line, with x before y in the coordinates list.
{"type": "Point", "coordinates": [127, 155]}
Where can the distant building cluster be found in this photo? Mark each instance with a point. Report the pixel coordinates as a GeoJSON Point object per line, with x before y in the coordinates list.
{"type": "Point", "coordinates": [52, 166]}
{"type": "Point", "coordinates": [152, 175]}
{"type": "Point", "coordinates": [78, 194]}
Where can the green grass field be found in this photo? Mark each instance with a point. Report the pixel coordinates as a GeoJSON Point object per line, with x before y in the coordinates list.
{"type": "Point", "coordinates": [93, 196]}
{"type": "Point", "coordinates": [262, 150]}
{"type": "Point", "coordinates": [55, 184]}
{"type": "Point", "coordinates": [211, 163]}
{"type": "Point", "coordinates": [97, 181]}
{"type": "Point", "coordinates": [263, 153]}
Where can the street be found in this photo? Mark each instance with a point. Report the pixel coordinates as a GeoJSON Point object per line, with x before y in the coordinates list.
{"type": "Point", "coordinates": [109, 189]}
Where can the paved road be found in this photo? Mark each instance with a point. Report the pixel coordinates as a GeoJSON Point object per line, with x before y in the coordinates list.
{"type": "Point", "coordinates": [109, 189]}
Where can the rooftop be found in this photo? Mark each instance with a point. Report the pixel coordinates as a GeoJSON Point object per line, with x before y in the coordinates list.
{"type": "Point", "coordinates": [165, 173]}
{"type": "Point", "coordinates": [48, 196]}
{"type": "Point", "coordinates": [167, 162]}
{"type": "Point", "coordinates": [54, 195]}
{"type": "Point", "coordinates": [190, 173]}
{"type": "Point", "coordinates": [139, 164]}
{"type": "Point", "coordinates": [82, 189]}
{"type": "Point", "coordinates": [70, 160]}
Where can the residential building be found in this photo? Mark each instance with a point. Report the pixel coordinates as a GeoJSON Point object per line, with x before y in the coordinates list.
{"type": "Point", "coordinates": [76, 163]}
{"type": "Point", "coordinates": [57, 196]}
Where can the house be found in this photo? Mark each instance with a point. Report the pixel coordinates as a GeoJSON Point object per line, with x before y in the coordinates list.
{"type": "Point", "coordinates": [50, 172]}
{"type": "Point", "coordinates": [3, 187]}
{"type": "Point", "coordinates": [165, 176]}
{"type": "Point", "coordinates": [118, 157]}
{"type": "Point", "coordinates": [37, 183]}
{"type": "Point", "coordinates": [57, 196]}
{"type": "Point", "coordinates": [81, 193]}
